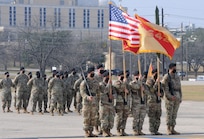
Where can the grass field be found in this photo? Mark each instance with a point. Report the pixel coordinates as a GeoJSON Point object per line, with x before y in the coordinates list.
{"type": "Point", "coordinates": [193, 92]}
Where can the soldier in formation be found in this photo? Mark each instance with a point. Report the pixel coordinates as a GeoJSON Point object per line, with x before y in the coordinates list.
{"type": "Point", "coordinates": [6, 97]}
{"type": "Point", "coordinates": [173, 97]}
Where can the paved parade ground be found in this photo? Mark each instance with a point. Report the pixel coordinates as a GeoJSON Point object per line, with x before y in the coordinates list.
{"type": "Point", "coordinates": [190, 123]}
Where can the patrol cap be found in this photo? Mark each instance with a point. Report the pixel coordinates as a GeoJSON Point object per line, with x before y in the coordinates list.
{"type": "Point", "coordinates": [136, 73]}
{"type": "Point", "coordinates": [73, 69]}
{"type": "Point", "coordinates": [90, 69]}
{"type": "Point", "coordinates": [6, 73]}
{"type": "Point", "coordinates": [37, 73]}
{"type": "Point", "coordinates": [120, 73]}
{"type": "Point", "coordinates": [171, 65]}
{"type": "Point", "coordinates": [44, 75]}
{"type": "Point", "coordinates": [154, 71]}
{"type": "Point", "coordinates": [106, 73]}
{"type": "Point", "coordinates": [99, 66]}
{"type": "Point", "coordinates": [22, 68]}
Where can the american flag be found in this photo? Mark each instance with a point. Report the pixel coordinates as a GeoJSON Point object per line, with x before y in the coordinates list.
{"type": "Point", "coordinates": [123, 27]}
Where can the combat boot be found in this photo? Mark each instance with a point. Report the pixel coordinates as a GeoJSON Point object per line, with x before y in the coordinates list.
{"type": "Point", "coordinates": [174, 132]}
{"type": "Point", "coordinates": [105, 133]}
{"type": "Point", "coordinates": [9, 110]}
{"type": "Point", "coordinates": [86, 134]}
{"type": "Point", "coordinates": [141, 133]}
{"type": "Point", "coordinates": [136, 133]}
{"type": "Point", "coordinates": [119, 133]}
{"type": "Point", "coordinates": [3, 110]}
{"type": "Point", "coordinates": [123, 133]}
{"type": "Point", "coordinates": [109, 133]}
{"type": "Point", "coordinates": [91, 134]}
{"type": "Point", "coordinates": [25, 111]}
{"type": "Point", "coordinates": [158, 133]}
{"type": "Point", "coordinates": [18, 110]}
{"type": "Point", "coordinates": [169, 132]}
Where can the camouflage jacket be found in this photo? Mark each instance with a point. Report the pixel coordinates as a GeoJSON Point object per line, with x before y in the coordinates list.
{"type": "Point", "coordinates": [20, 82]}
{"type": "Point", "coordinates": [36, 85]}
{"type": "Point", "coordinates": [56, 86]}
{"type": "Point", "coordinates": [6, 85]}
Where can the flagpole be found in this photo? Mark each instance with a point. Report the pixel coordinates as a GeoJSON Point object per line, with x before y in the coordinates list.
{"type": "Point", "coordinates": [140, 73]}
{"type": "Point", "coordinates": [158, 78]}
{"type": "Point", "coordinates": [124, 71]}
{"type": "Point", "coordinates": [110, 68]}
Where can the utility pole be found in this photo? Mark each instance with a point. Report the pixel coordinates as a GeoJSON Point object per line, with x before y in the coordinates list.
{"type": "Point", "coordinates": [181, 51]}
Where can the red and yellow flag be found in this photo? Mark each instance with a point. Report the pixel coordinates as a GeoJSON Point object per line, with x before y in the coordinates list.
{"type": "Point", "coordinates": [154, 39]}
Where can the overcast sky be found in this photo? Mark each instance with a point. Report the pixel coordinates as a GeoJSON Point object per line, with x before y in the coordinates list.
{"type": "Point", "coordinates": [175, 11]}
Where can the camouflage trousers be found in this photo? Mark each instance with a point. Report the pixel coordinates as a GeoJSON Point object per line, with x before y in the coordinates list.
{"type": "Point", "coordinates": [138, 113]}
{"type": "Point", "coordinates": [70, 96]}
{"type": "Point", "coordinates": [122, 112]}
{"type": "Point", "coordinates": [89, 114]}
{"type": "Point", "coordinates": [56, 99]}
{"type": "Point", "coordinates": [171, 111]}
{"type": "Point", "coordinates": [154, 114]}
{"type": "Point", "coordinates": [45, 101]}
{"type": "Point", "coordinates": [36, 98]}
{"type": "Point", "coordinates": [79, 102]}
{"type": "Point", "coordinates": [22, 96]}
{"type": "Point", "coordinates": [107, 117]}
{"type": "Point", "coordinates": [6, 99]}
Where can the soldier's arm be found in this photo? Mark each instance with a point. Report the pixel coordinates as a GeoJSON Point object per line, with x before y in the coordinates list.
{"type": "Point", "coordinates": [30, 83]}
{"type": "Point", "coordinates": [165, 86]}
{"type": "Point", "coordinates": [83, 90]}
{"type": "Point", "coordinates": [76, 84]}
{"type": "Point", "coordinates": [1, 84]}
{"type": "Point", "coordinates": [135, 86]}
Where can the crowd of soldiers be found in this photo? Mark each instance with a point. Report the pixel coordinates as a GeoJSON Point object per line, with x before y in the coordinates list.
{"type": "Point", "coordinates": [100, 100]}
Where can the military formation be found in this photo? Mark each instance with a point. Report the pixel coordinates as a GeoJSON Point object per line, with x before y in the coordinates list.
{"type": "Point", "coordinates": [101, 101]}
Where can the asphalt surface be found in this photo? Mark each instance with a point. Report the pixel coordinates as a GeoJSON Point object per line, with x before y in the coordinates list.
{"type": "Point", "coordinates": [190, 123]}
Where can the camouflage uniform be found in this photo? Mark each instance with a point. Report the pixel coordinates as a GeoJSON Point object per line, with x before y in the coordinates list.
{"type": "Point", "coordinates": [56, 88]}
{"type": "Point", "coordinates": [138, 107]}
{"type": "Point", "coordinates": [89, 108]}
{"type": "Point", "coordinates": [121, 107]}
{"type": "Point", "coordinates": [71, 92]}
{"type": "Point", "coordinates": [36, 85]}
{"type": "Point", "coordinates": [22, 93]}
{"type": "Point", "coordinates": [106, 109]}
{"type": "Point", "coordinates": [45, 94]}
{"type": "Point", "coordinates": [154, 106]}
{"type": "Point", "coordinates": [6, 97]}
{"type": "Point", "coordinates": [172, 105]}
{"type": "Point", "coordinates": [78, 95]}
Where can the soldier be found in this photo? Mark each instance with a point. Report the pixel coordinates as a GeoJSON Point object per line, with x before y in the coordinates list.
{"type": "Point", "coordinates": [138, 103]}
{"type": "Point", "coordinates": [99, 78]}
{"type": "Point", "coordinates": [36, 85]}
{"type": "Point", "coordinates": [72, 94]}
{"type": "Point", "coordinates": [89, 89]}
{"type": "Point", "coordinates": [78, 96]}
{"type": "Point", "coordinates": [56, 88]}
{"type": "Point", "coordinates": [14, 104]}
{"type": "Point", "coordinates": [6, 97]}
{"type": "Point", "coordinates": [121, 104]}
{"type": "Point", "coordinates": [106, 105]}
{"type": "Point", "coordinates": [45, 93]}
{"type": "Point", "coordinates": [66, 91]}
{"type": "Point", "coordinates": [154, 103]}
{"type": "Point", "coordinates": [173, 97]}
{"type": "Point", "coordinates": [22, 93]}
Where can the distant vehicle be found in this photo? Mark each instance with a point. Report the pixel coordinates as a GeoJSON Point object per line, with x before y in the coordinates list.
{"type": "Point", "coordinates": [200, 78]}
{"type": "Point", "coordinates": [181, 73]}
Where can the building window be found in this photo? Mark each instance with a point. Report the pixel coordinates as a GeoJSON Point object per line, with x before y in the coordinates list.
{"type": "Point", "coordinates": [57, 16]}
{"type": "Point", "coordinates": [86, 18]}
{"type": "Point", "coordinates": [29, 16]}
{"type": "Point", "coordinates": [61, 2]}
{"type": "Point", "coordinates": [99, 19]}
{"type": "Point", "coordinates": [26, 16]}
{"type": "Point", "coordinates": [21, 1]}
{"type": "Point", "coordinates": [72, 18]}
{"type": "Point", "coordinates": [102, 18]}
{"type": "Point", "coordinates": [42, 17]}
{"type": "Point", "coordinates": [12, 16]}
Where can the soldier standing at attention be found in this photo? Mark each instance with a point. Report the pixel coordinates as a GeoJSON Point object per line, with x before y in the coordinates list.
{"type": "Point", "coordinates": [106, 105]}
{"type": "Point", "coordinates": [72, 93]}
{"type": "Point", "coordinates": [56, 88]}
{"type": "Point", "coordinates": [138, 104]}
{"type": "Point", "coordinates": [36, 85]}
{"type": "Point", "coordinates": [89, 89]}
{"type": "Point", "coordinates": [173, 97]}
{"type": "Point", "coordinates": [154, 103]}
{"type": "Point", "coordinates": [6, 97]}
{"type": "Point", "coordinates": [120, 104]}
{"type": "Point", "coordinates": [22, 93]}
{"type": "Point", "coordinates": [45, 93]}
{"type": "Point", "coordinates": [99, 78]}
